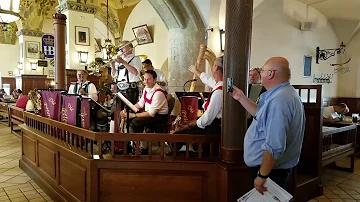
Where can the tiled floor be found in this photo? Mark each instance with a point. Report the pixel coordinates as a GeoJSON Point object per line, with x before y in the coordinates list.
{"type": "Point", "coordinates": [341, 185]}
{"type": "Point", "coordinates": [15, 185]}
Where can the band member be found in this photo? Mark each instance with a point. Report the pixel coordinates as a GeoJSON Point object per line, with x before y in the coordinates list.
{"type": "Point", "coordinates": [83, 86]}
{"type": "Point", "coordinates": [154, 101]}
{"type": "Point", "coordinates": [210, 121]}
{"type": "Point", "coordinates": [126, 69]}
{"type": "Point", "coordinates": [161, 79]}
{"type": "Point", "coordinates": [255, 88]}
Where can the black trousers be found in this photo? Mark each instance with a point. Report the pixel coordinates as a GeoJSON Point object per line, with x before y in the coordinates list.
{"type": "Point", "coordinates": [138, 124]}
{"type": "Point", "coordinates": [279, 176]}
{"type": "Point", "coordinates": [213, 129]}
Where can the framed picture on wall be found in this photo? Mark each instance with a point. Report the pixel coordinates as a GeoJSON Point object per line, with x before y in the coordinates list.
{"type": "Point", "coordinates": [82, 36]}
{"type": "Point", "coordinates": [32, 49]}
{"type": "Point", "coordinates": [307, 66]}
{"type": "Point", "coordinates": [10, 73]}
{"type": "Point", "coordinates": [142, 34]}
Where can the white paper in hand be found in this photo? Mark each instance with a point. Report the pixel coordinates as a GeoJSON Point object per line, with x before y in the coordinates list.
{"type": "Point", "coordinates": [127, 102]}
{"type": "Point", "coordinates": [274, 193]}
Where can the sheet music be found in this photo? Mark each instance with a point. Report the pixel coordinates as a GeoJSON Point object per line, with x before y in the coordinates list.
{"type": "Point", "coordinates": [274, 193]}
{"type": "Point", "coordinates": [254, 92]}
{"type": "Point", "coordinates": [127, 102]}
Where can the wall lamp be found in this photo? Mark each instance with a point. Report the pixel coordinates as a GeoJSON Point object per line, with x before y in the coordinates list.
{"type": "Point", "coordinates": [328, 53]}
{"type": "Point", "coordinates": [83, 56]}
{"type": "Point", "coordinates": [33, 65]}
{"type": "Point", "coordinates": [222, 40]}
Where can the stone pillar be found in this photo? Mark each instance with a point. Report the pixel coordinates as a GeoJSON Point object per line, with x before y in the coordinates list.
{"type": "Point", "coordinates": [237, 61]}
{"type": "Point", "coordinates": [29, 42]}
{"type": "Point", "coordinates": [60, 28]}
{"type": "Point", "coordinates": [184, 46]}
{"type": "Point", "coordinates": [233, 174]}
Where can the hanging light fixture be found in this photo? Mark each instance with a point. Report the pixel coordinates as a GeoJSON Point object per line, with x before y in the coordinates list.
{"type": "Point", "coordinates": [9, 12]}
{"type": "Point", "coordinates": [107, 47]}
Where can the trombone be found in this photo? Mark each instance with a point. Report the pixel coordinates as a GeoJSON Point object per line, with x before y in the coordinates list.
{"type": "Point", "coordinates": [113, 51]}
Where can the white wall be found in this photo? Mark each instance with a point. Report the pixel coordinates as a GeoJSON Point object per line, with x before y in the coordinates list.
{"type": "Point", "coordinates": [157, 51]}
{"type": "Point", "coordinates": [276, 33]}
{"type": "Point", "coordinates": [284, 38]}
{"type": "Point", "coordinates": [9, 57]}
{"type": "Point", "coordinates": [82, 20]}
{"type": "Point", "coordinates": [349, 83]}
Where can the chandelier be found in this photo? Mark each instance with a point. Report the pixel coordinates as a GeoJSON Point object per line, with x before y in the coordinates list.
{"type": "Point", "coordinates": [107, 48]}
{"type": "Point", "coordinates": [9, 12]}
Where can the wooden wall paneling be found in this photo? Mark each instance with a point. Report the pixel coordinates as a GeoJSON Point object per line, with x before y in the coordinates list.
{"type": "Point", "coordinates": [71, 170]}
{"type": "Point", "coordinates": [29, 147]}
{"type": "Point", "coordinates": [47, 160]}
{"type": "Point", "coordinates": [9, 80]}
{"type": "Point", "coordinates": [133, 185]}
{"type": "Point", "coordinates": [131, 180]}
{"type": "Point", "coordinates": [29, 82]}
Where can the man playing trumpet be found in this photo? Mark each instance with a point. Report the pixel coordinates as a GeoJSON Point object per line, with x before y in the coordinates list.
{"type": "Point", "coordinates": [125, 69]}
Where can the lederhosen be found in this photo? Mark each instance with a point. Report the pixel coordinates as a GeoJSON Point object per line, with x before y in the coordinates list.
{"type": "Point", "coordinates": [131, 92]}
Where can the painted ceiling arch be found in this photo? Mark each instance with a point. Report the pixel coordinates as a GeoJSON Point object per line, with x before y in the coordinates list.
{"type": "Point", "coordinates": [34, 12]}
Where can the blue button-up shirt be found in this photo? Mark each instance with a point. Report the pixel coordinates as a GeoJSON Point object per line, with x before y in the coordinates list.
{"type": "Point", "coordinates": [278, 127]}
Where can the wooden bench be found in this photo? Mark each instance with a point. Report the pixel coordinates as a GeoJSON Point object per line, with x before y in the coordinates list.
{"type": "Point", "coordinates": [16, 116]}
{"type": "Point", "coordinates": [339, 142]}
{"type": "Point", "coordinates": [4, 113]}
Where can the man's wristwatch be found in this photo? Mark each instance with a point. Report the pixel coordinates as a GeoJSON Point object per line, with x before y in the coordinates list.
{"type": "Point", "coordinates": [134, 115]}
{"type": "Point", "coordinates": [262, 176]}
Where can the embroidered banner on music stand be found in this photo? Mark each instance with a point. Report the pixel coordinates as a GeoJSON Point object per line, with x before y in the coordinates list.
{"type": "Point", "coordinates": [69, 109]}
{"type": "Point", "coordinates": [85, 114]}
{"type": "Point", "coordinates": [50, 104]}
{"type": "Point", "coordinates": [189, 108]}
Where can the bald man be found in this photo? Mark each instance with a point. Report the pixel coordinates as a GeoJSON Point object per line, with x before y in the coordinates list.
{"type": "Point", "coordinates": [272, 144]}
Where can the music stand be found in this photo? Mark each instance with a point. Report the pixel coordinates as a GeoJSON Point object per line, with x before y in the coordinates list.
{"type": "Point", "coordinates": [194, 94]}
{"type": "Point", "coordinates": [129, 106]}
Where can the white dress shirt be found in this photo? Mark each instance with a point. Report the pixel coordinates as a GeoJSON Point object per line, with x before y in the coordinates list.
{"type": "Point", "coordinates": [214, 109]}
{"type": "Point", "coordinates": [159, 102]}
{"type": "Point", "coordinates": [91, 89]}
{"type": "Point", "coordinates": [120, 75]}
{"type": "Point", "coordinates": [161, 78]}
{"type": "Point", "coordinates": [329, 112]}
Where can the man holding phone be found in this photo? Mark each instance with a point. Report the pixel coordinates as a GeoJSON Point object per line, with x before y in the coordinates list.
{"type": "Point", "coordinates": [272, 143]}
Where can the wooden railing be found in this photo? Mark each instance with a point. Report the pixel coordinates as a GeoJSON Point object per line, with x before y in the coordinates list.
{"type": "Point", "coordinates": [93, 142]}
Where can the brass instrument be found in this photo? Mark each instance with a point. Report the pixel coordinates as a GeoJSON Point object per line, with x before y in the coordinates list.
{"type": "Point", "coordinates": [122, 123]}
{"type": "Point", "coordinates": [204, 54]}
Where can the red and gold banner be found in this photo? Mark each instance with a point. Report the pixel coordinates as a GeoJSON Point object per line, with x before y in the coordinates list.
{"type": "Point", "coordinates": [189, 108]}
{"type": "Point", "coordinates": [85, 114]}
{"type": "Point", "coordinates": [68, 109]}
{"type": "Point", "coordinates": [50, 104]}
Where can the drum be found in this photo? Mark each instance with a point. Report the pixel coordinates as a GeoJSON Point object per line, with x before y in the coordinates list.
{"type": "Point", "coordinates": [189, 108]}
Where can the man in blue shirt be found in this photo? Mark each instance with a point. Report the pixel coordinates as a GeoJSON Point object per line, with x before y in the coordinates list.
{"type": "Point", "coordinates": [272, 144]}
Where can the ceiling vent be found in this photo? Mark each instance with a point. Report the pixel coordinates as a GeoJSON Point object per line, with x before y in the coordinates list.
{"type": "Point", "coordinates": [308, 26]}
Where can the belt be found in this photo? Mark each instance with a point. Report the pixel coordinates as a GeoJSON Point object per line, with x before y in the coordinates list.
{"type": "Point", "coordinates": [124, 86]}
